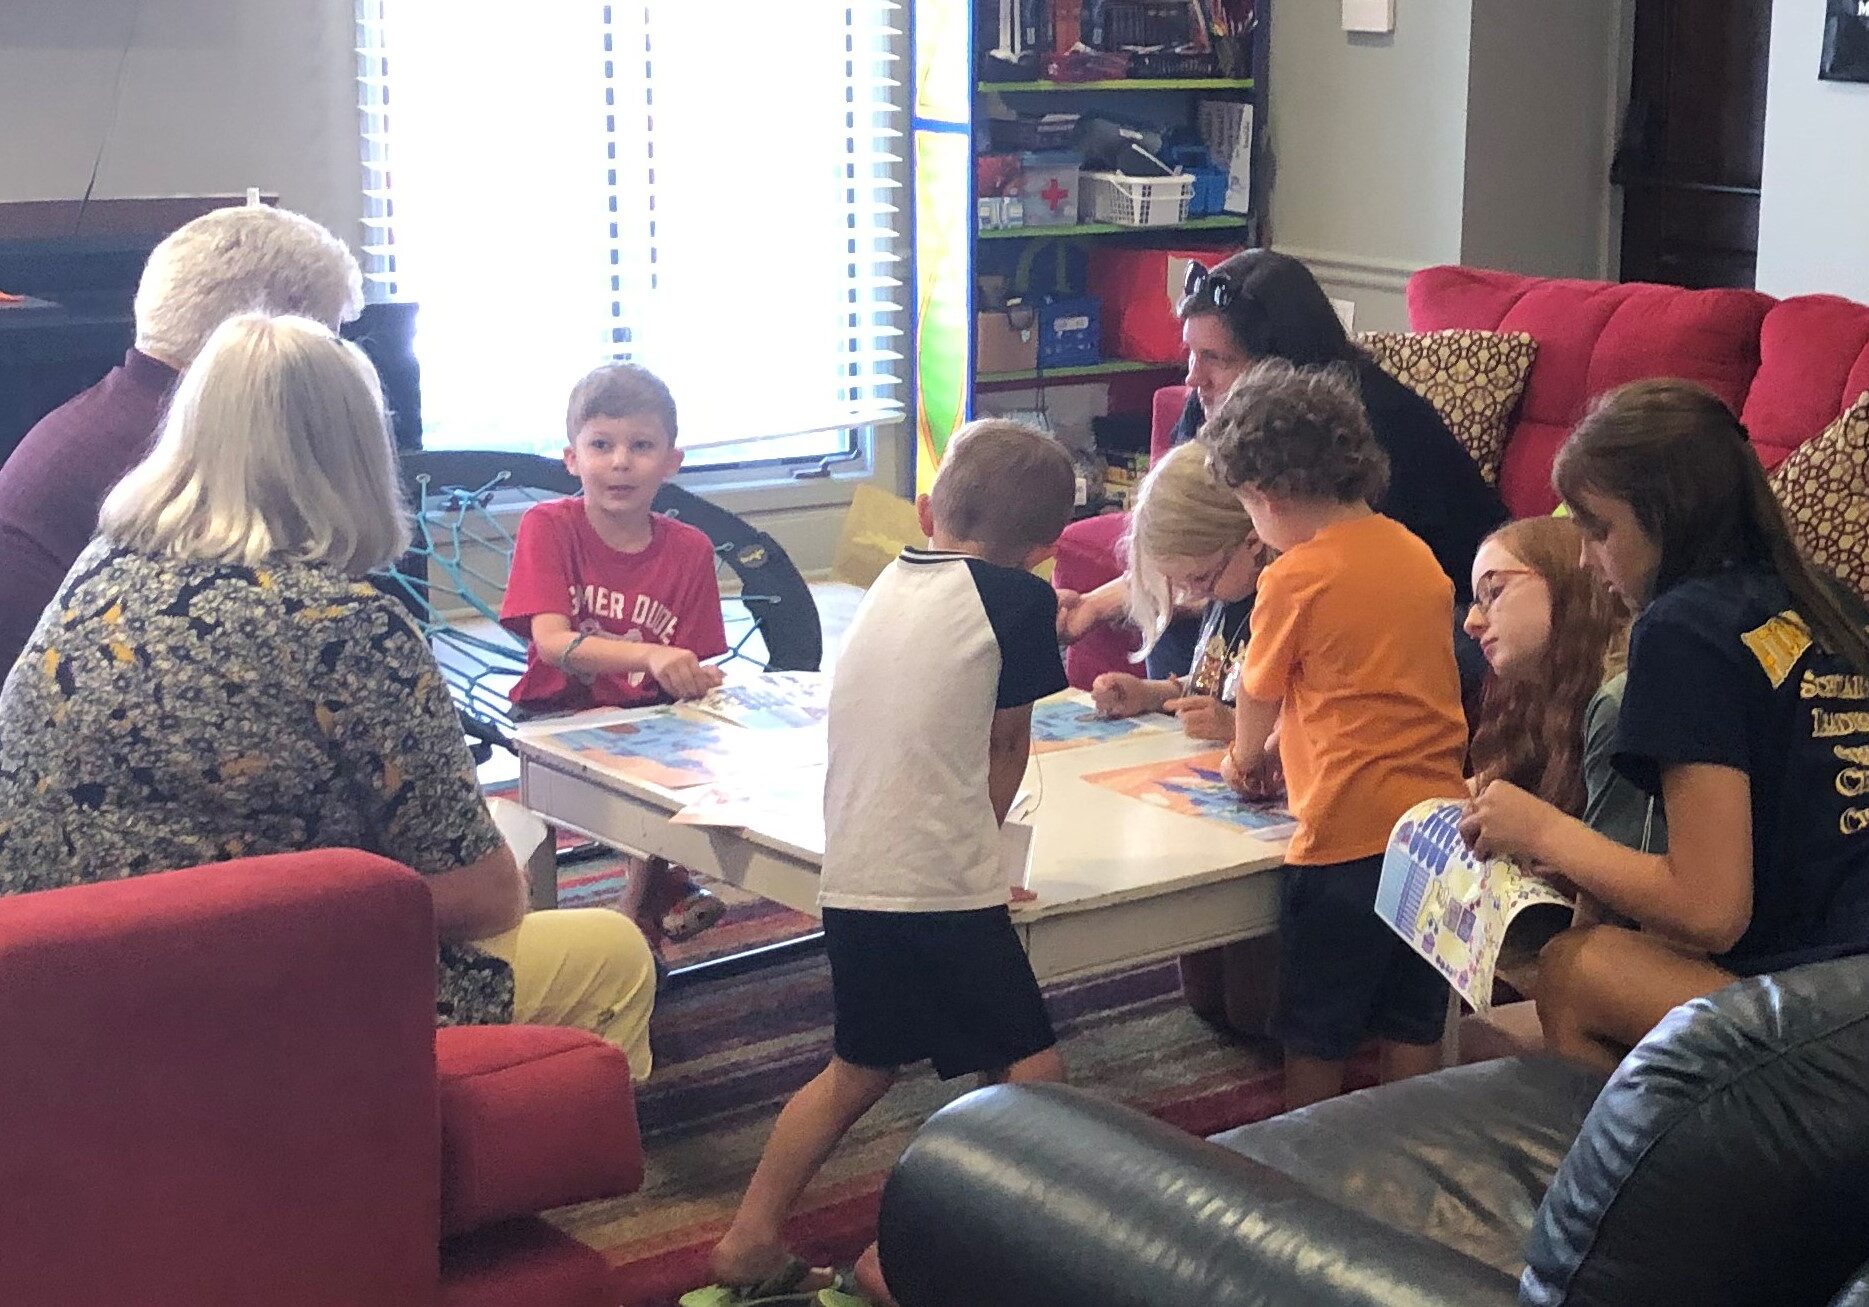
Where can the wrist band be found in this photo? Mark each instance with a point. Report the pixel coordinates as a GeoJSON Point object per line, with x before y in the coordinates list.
{"type": "Point", "coordinates": [564, 659]}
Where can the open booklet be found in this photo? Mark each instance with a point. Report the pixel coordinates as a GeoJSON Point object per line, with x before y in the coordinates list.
{"type": "Point", "coordinates": [1472, 919]}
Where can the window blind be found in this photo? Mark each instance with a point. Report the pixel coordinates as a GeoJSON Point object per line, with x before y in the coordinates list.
{"type": "Point", "coordinates": [708, 190]}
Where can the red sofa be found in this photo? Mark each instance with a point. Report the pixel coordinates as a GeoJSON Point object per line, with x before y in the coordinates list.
{"type": "Point", "coordinates": [224, 1085]}
{"type": "Point", "coordinates": [1788, 367]}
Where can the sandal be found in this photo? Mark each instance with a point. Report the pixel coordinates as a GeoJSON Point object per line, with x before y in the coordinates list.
{"type": "Point", "coordinates": [692, 915]}
{"type": "Point", "coordinates": [780, 1289]}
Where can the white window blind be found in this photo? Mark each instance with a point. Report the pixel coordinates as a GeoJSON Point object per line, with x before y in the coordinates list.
{"type": "Point", "coordinates": [708, 189]}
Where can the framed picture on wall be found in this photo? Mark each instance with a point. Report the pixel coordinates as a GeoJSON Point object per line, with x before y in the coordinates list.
{"type": "Point", "coordinates": [1846, 42]}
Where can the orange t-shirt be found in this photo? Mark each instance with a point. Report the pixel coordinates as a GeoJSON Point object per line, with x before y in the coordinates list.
{"type": "Point", "coordinates": [1353, 630]}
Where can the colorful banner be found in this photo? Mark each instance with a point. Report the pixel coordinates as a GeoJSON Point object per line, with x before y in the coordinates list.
{"type": "Point", "coordinates": [944, 221]}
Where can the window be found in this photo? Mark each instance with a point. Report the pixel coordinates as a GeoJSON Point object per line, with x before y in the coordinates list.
{"type": "Point", "coordinates": [706, 189]}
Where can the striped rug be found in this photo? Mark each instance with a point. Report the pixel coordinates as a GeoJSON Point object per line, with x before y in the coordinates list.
{"type": "Point", "coordinates": [729, 1052]}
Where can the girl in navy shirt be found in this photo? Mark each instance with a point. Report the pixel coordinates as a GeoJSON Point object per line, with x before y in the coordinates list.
{"type": "Point", "coordinates": [1746, 711]}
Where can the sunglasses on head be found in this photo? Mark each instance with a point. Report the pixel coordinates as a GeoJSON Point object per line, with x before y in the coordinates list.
{"type": "Point", "coordinates": [1221, 293]}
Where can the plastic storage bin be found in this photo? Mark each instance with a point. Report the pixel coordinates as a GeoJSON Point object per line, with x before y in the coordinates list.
{"type": "Point", "coordinates": [1137, 201]}
{"type": "Point", "coordinates": [1050, 187]}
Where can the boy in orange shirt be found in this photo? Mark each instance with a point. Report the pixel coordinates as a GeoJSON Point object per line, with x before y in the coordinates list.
{"type": "Point", "coordinates": [1352, 659]}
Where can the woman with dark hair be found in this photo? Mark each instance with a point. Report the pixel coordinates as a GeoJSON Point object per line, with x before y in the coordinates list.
{"type": "Point", "coordinates": [1746, 712]}
{"type": "Point", "coordinates": [1259, 304]}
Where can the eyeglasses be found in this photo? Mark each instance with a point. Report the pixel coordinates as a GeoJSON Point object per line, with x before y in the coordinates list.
{"type": "Point", "coordinates": [1491, 585]}
{"type": "Point", "coordinates": [1221, 293]}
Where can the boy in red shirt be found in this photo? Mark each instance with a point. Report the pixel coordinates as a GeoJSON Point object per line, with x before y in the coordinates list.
{"type": "Point", "coordinates": [617, 604]}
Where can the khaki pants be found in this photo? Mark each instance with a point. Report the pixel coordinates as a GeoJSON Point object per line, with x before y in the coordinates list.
{"type": "Point", "coordinates": [583, 967]}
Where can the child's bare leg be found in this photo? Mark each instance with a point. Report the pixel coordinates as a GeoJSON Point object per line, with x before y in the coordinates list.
{"type": "Point", "coordinates": [1398, 1061]}
{"type": "Point", "coordinates": [631, 902]}
{"type": "Point", "coordinates": [1310, 1079]}
{"type": "Point", "coordinates": [808, 1129]}
{"type": "Point", "coordinates": [1602, 988]}
{"type": "Point", "coordinates": [1040, 1068]}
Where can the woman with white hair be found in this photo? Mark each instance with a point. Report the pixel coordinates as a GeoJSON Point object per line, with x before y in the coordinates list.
{"type": "Point", "coordinates": [217, 679]}
{"type": "Point", "coordinates": [229, 261]}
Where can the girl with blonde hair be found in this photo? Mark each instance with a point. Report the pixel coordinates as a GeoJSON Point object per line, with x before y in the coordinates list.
{"type": "Point", "coordinates": [1190, 541]}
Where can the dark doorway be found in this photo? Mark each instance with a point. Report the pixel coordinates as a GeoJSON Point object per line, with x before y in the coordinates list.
{"type": "Point", "coordinates": [1693, 141]}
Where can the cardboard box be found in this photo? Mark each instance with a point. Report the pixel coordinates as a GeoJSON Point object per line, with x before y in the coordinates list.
{"type": "Point", "coordinates": [1006, 340]}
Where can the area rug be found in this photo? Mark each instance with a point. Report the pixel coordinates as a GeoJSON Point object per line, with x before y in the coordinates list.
{"type": "Point", "coordinates": [729, 1052]}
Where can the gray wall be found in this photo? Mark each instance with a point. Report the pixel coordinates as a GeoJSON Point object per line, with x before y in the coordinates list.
{"type": "Point", "coordinates": [1814, 218]}
{"type": "Point", "coordinates": [1369, 142]}
{"type": "Point", "coordinates": [218, 95]}
{"type": "Point", "coordinates": [1478, 132]}
{"type": "Point", "coordinates": [1544, 85]}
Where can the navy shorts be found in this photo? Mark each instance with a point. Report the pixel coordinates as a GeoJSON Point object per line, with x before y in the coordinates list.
{"type": "Point", "coordinates": [953, 988]}
{"type": "Point", "coordinates": [1343, 973]}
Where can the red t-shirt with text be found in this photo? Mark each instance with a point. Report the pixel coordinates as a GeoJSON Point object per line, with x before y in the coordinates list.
{"type": "Point", "coordinates": [666, 594]}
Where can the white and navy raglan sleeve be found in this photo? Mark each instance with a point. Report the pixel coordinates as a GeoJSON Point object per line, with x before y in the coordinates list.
{"type": "Point", "coordinates": [1023, 612]}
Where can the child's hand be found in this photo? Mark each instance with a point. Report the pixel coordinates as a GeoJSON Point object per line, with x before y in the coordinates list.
{"type": "Point", "coordinates": [1266, 782]}
{"type": "Point", "coordinates": [1203, 717]}
{"type": "Point", "coordinates": [680, 673]}
{"type": "Point", "coordinates": [1077, 617]}
{"type": "Point", "coordinates": [1503, 821]}
{"type": "Point", "coordinates": [1020, 894]}
{"type": "Point", "coordinates": [1120, 694]}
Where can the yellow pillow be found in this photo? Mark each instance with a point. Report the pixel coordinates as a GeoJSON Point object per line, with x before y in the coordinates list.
{"type": "Point", "coordinates": [1824, 487]}
{"type": "Point", "coordinates": [1473, 379]}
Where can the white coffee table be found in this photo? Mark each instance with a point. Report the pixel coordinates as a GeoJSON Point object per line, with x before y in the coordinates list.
{"type": "Point", "coordinates": [1118, 880]}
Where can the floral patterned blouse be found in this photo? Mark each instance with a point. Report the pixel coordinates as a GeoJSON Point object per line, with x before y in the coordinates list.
{"type": "Point", "coordinates": [168, 713]}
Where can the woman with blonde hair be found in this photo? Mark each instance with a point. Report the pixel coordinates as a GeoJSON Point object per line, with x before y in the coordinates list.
{"type": "Point", "coordinates": [218, 679]}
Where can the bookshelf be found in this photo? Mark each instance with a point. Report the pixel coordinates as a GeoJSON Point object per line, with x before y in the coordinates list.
{"type": "Point", "coordinates": [952, 105]}
{"type": "Point", "coordinates": [1125, 84]}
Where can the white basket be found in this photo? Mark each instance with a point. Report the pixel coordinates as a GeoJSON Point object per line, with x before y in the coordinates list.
{"type": "Point", "coordinates": [1136, 201]}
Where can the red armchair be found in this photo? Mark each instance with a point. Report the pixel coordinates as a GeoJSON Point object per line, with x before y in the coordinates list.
{"type": "Point", "coordinates": [223, 1085]}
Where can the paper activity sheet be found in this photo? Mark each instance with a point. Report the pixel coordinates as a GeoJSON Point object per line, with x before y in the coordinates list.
{"type": "Point", "coordinates": [771, 701]}
{"type": "Point", "coordinates": [1193, 787]}
{"type": "Point", "coordinates": [676, 748]}
{"type": "Point", "coordinates": [1071, 722]}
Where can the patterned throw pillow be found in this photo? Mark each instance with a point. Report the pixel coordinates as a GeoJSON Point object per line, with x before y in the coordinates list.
{"type": "Point", "coordinates": [1473, 379]}
{"type": "Point", "coordinates": [1824, 487]}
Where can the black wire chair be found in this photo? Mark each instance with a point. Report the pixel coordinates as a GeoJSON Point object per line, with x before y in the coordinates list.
{"type": "Point", "coordinates": [467, 506]}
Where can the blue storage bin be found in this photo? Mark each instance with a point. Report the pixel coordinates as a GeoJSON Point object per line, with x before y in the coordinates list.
{"type": "Point", "coordinates": [1210, 192]}
{"type": "Point", "coordinates": [1070, 333]}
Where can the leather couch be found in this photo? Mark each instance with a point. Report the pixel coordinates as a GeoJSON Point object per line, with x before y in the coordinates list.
{"type": "Point", "coordinates": [224, 1085]}
{"type": "Point", "coordinates": [1725, 1162]}
{"type": "Point", "coordinates": [1787, 367]}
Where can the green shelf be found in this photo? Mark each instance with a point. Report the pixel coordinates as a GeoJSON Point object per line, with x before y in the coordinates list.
{"type": "Point", "coordinates": [1130, 84]}
{"type": "Point", "coordinates": [1218, 222]}
{"type": "Point", "coordinates": [1107, 368]}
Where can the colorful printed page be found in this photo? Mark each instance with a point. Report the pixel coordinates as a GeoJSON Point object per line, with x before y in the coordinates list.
{"type": "Point", "coordinates": [1466, 916]}
{"type": "Point", "coordinates": [1193, 787]}
{"type": "Point", "coordinates": [1070, 721]}
{"type": "Point", "coordinates": [787, 802]}
{"type": "Point", "coordinates": [676, 749]}
{"type": "Point", "coordinates": [772, 701]}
